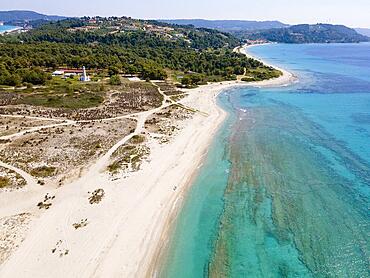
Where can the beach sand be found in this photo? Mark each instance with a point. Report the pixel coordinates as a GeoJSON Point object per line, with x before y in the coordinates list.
{"type": "Point", "coordinates": [126, 230]}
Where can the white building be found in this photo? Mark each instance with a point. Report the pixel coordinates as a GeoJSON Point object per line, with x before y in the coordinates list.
{"type": "Point", "coordinates": [58, 73]}
{"type": "Point", "coordinates": [84, 77]}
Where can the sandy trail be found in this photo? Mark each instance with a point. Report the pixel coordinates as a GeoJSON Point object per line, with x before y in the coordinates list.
{"type": "Point", "coordinates": [140, 118]}
{"type": "Point", "coordinates": [31, 118]}
{"type": "Point", "coordinates": [21, 200]}
{"type": "Point", "coordinates": [167, 101]}
{"type": "Point", "coordinates": [34, 129]}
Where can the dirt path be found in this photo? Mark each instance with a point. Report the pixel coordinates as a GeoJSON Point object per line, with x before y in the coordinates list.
{"type": "Point", "coordinates": [35, 129]}
{"type": "Point", "coordinates": [140, 118]}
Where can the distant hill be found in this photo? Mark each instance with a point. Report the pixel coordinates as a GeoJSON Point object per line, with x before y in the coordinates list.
{"type": "Point", "coordinates": [304, 33]}
{"type": "Point", "coordinates": [227, 25]}
{"type": "Point", "coordinates": [363, 31]}
{"type": "Point", "coordinates": [26, 16]}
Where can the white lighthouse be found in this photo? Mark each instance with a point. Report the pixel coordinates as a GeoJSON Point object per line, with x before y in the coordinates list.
{"type": "Point", "coordinates": [84, 77]}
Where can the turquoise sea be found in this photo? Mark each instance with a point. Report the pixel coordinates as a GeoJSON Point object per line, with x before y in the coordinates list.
{"type": "Point", "coordinates": [4, 28]}
{"type": "Point", "coordinates": [285, 189]}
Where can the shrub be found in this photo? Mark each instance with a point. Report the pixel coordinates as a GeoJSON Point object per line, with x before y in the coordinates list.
{"type": "Point", "coordinates": [34, 76]}
{"type": "Point", "coordinates": [137, 139]}
{"type": "Point", "coordinates": [115, 80]}
{"type": "Point", "coordinates": [4, 182]}
{"type": "Point", "coordinates": [43, 171]}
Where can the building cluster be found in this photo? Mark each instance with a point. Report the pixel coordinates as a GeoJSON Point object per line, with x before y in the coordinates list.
{"type": "Point", "coordinates": [113, 25]}
{"type": "Point", "coordinates": [65, 73]}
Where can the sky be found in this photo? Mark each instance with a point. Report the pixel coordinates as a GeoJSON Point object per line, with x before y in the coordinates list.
{"type": "Point", "coordinates": [353, 13]}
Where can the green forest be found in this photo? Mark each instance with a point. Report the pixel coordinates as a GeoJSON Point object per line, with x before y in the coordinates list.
{"type": "Point", "coordinates": [201, 55]}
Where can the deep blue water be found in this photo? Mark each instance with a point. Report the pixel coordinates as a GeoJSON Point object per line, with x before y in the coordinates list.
{"type": "Point", "coordinates": [285, 189]}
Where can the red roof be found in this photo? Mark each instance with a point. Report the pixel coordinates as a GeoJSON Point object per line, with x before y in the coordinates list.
{"type": "Point", "coordinates": [72, 70]}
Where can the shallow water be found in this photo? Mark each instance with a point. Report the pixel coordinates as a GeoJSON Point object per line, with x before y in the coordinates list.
{"type": "Point", "coordinates": [4, 28]}
{"type": "Point", "coordinates": [285, 188]}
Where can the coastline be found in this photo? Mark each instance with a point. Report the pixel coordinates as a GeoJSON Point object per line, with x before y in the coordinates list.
{"type": "Point", "coordinates": [7, 31]}
{"type": "Point", "coordinates": [286, 79]}
{"type": "Point", "coordinates": [127, 230]}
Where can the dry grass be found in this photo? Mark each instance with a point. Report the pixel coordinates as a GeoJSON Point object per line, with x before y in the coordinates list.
{"type": "Point", "coordinates": [167, 121]}
{"type": "Point", "coordinates": [120, 100]}
{"type": "Point", "coordinates": [10, 180]}
{"type": "Point", "coordinates": [137, 139]}
{"type": "Point", "coordinates": [128, 158]}
{"type": "Point", "coordinates": [168, 88]}
{"type": "Point", "coordinates": [57, 154]}
{"type": "Point", "coordinates": [10, 126]}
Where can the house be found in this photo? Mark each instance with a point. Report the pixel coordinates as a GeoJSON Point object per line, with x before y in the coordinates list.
{"type": "Point", "coordinates": [72, 72]}
{"type": "Point", "coordinates": [58, 73]}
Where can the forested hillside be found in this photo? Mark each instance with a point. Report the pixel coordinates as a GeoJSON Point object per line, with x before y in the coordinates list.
{"type": "Point", "coordinates": [26, 16]}
{"type": "Point", "coordinates": [150, 49]}
{"type": "Point", "coordinates": [304, 33]}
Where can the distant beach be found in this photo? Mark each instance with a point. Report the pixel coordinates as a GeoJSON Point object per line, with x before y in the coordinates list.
{"type": "Point", "coordinates": [8, 28]}
{"type": "Point", "coordinates": [286, 79]}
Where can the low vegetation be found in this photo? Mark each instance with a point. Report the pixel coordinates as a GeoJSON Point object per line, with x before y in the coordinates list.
{"type": "Point", "coordinates": [81, 224]}
{"type": "Point", "coordinates": [128, 158]}
{"type": "Point", "coordinates": [137, 139]}
{"type": "Point", "coordinates": [97, 196]}
{"type": "Point", "coordinates": [261, 74]}
{"type": "Point", "coordinates": [4, 182]}
{"type": "Point", "coordinates": [87, 101]}
{"type": "Point", "coordinates": [10, 180]}
{"type": "Point", "coordinates": [59, 249]}
{"type": "Point", "coordinates": [46, 203]}
{"type": "Point", "coordinates": [43, 171]}
{"type": "Point", "coordinates": [57, 155]}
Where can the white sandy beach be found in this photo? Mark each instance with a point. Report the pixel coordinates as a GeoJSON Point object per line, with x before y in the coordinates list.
{"type": "Point", "coordinates": [286, 79]}
{"type": "Point", "coordinates": [128, 227]}
{"type": "Point", "coordinates": [14, 29]}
